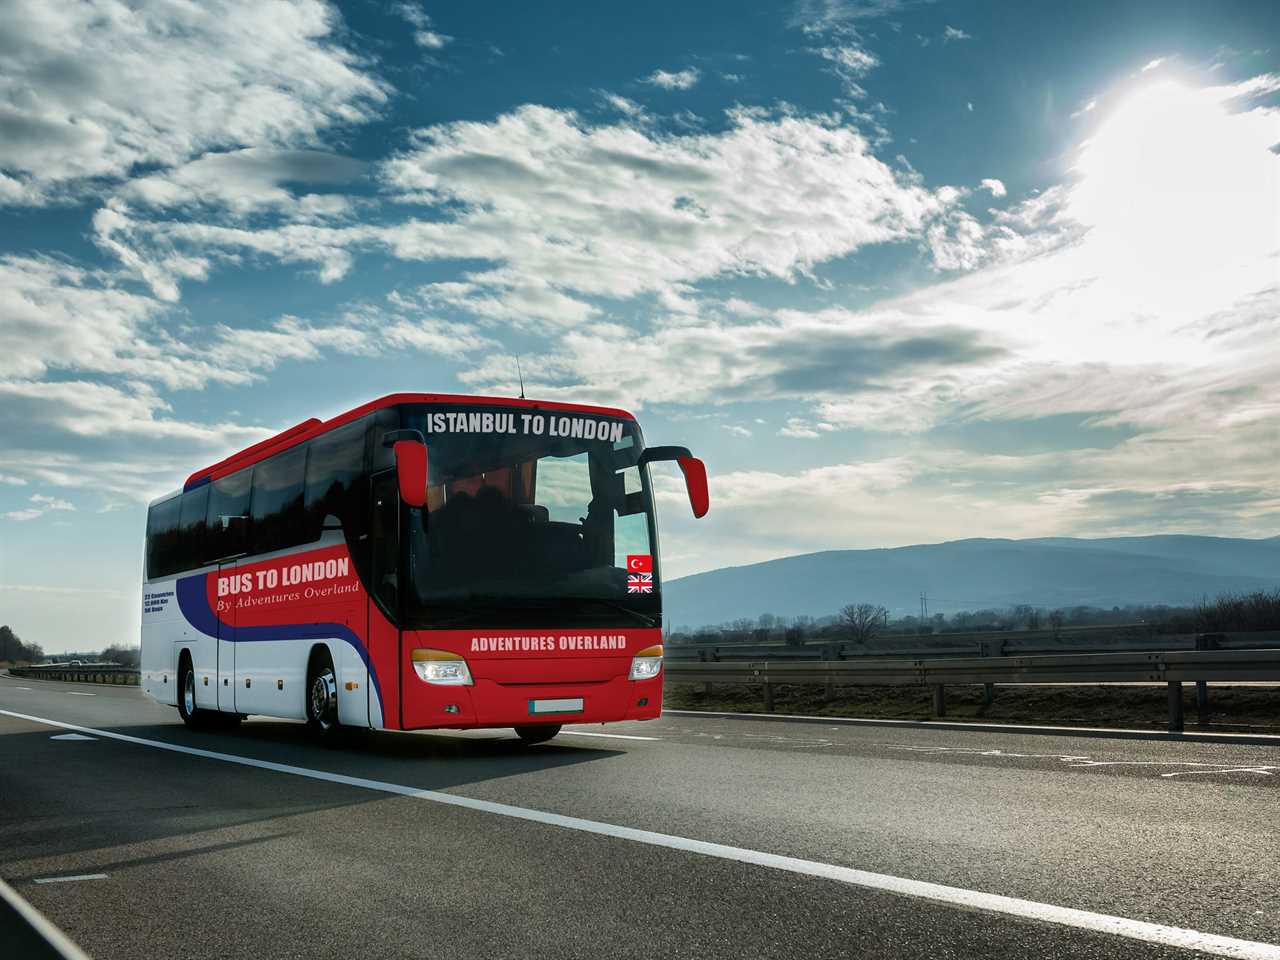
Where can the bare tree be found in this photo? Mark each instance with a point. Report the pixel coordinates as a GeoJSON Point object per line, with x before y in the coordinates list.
{"type": "Point", "coordinates": [1056, 620]}
{"type": "Point", "coordinates": [863, 620]}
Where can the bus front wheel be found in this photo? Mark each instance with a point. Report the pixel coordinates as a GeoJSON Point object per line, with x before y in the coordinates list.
{"type": "Point", "coordinates": [537, 733]}
{"type": "Point", "coordinates": [322, 695]}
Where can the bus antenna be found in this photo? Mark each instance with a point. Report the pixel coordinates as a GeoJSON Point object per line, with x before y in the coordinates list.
{"type": "Point", "coordinates": [520, 376]}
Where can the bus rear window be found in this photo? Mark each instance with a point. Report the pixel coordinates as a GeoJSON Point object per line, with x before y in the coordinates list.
{"type": "Point", "coordinates": [163, 538]}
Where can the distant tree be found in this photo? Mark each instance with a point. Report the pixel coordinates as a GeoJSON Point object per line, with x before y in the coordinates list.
{"type": "Point", "coordinates": [1056, 619]}
{"type": "Point", "coordinates": [766, 621]}
{"type": "Point", "coordinates": [125, 656]}
{"type": "Point", "coordinates": [13, 649]}
{"type": "Point", "coordinates": [864, 621]}
{"type": "Point", "coordinates": [9, 643]}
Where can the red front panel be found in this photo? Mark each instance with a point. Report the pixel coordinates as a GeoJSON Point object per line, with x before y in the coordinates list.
{"type": "Point", "coordinates": [511, 668]}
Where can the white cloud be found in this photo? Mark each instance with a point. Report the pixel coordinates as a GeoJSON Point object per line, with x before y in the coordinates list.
{"type": "Point", "coordinates": [568, 208]}
{"type": "Point", "coordinates": [849, 63]}
{"type": "Point", "coordinates": [1087, 108]}
{"type": "Point", "coordinates": [855, 60]}
{"type": "Point", "coordinates": [803, 429]}
{"type": "Point", "coordinates": [249, 180]}
{"type": "Point", "coordinates": [431, 40]}
{"type": "Point", "coordinates": [736, 429]}
{"type": "Point", "coordinates": [214, 74]}
{"type": "Point", "coordinates": [616, 211]}
{"type": "Point", "coordinates": [995, 186]}
{"type": "Point", "coordinates": [955, 33]}
{"type": "Point", "coordinates": [624, 106]}
{"type": "Point", "coordinates": [680, 80]}
{"type": "Point", "coordinates": [51, 503]}
{"type": "Point", "coordinates": [43, 504]}
{"type": "Point", "coordinates": [1152, 64]}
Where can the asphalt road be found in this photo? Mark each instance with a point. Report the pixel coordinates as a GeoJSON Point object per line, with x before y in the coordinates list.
{"type": "Point", "coordinates": [708, 838]}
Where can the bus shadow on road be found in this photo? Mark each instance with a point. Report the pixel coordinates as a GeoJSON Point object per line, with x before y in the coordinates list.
{"type": "Point", "coordinates": [424, 759]}
{"type": "Point", "coordinates": [70, 798]}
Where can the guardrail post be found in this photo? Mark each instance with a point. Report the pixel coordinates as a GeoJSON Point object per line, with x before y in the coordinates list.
{"type": "Point", "coordinates": [990, 648]}
{"type": "Point", "coordinates": [1205, 641]}
{"type": "Point", "coordinates": [939, 700]}
{"type": "Point", "coordinates": [706, 686]}
{"type": "Point", "coordinates": [1175, 707]}
{"type": "Point", "coordinates": [768, 697]}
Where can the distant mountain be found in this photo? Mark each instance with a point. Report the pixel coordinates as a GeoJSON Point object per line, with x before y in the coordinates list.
{"type": "Point", "coordinates": [977, 574]}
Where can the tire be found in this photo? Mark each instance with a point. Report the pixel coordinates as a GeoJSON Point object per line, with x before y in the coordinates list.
{"type": "Point", "coordinates": [322, 696]}
{"type": "Point", "coordinates": [191, 715]}
{"type": "Point", "coordinates": [537, 733]}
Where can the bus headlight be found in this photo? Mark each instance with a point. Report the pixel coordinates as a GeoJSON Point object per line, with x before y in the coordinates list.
{"type": "Point", "coordinates": [441, 667]}
{"type": "Point", "coordinates": [646, 664]}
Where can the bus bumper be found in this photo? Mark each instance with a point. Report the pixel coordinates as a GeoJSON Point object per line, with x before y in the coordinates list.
{"type": "Point", "coordinates": [491, 704]}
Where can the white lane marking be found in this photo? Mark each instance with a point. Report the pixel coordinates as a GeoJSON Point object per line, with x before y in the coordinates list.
{"type": "Point", "coordinates": [37, 921]}
{"type": "Point", "coordinates": [1180, 937]}
{"type": "Point", "coordinates": [21, 688]}
{"type": "Point", "coordinates": [1083, 760]}
{"type": "Point", "coordinates": [79, 876]}
{"type": "Point", "coordinates": [609, 736]}
{"type": "Point", "coordinates": [980, 726]}
{"type": "Point", "coordinates": [71, 736]}
{"type": "Point", "coordinates": [76, 693]}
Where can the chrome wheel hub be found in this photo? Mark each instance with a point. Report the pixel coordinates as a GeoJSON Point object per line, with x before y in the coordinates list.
{"type": "Point", "coordinates": [324, 698]}
{"type": "Point", "coordinates": [189, 693]}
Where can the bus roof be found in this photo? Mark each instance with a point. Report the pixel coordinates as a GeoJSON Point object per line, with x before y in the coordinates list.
{"type": "Point", "coordinates": [314, 427]}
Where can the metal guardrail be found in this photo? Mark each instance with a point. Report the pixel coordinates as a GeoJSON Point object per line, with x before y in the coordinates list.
{"type": "Point", "coordinates": [959, 645]}
{"type": "Point", "coordinates": [89, 673]}
{"type": "Point", "coordinates": [1173, 667]}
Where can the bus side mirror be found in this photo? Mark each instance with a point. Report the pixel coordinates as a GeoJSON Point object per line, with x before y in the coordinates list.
{"type": "Point", "coordinates": [694, 470]}
{"type": "Point", "coordinates": [411, 465]}
{"type": "Point", "coordinates": [695, 481]}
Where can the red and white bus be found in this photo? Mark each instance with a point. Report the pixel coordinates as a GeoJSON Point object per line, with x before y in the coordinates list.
{"type": "Point", "coordinates": [421, 561]}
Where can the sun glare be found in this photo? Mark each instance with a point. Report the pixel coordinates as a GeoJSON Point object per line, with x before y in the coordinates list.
{"type": "Point", "coordinates": [1174, 181]}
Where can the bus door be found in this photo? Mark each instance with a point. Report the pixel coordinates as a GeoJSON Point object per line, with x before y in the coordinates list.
{"type": "Point", "coordinates": [226, 649]}
{"type": "Point", "coordinates": [384, 592]}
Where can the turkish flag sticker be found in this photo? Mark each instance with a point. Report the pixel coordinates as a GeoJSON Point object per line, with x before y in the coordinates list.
{"type": "Point", "coordinates": [639, 563]}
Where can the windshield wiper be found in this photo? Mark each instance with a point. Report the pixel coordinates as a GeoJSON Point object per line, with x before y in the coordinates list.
{"type": "Point", "coordinates": [644, 618]}
{"type": "Point", "coordinates": [531, 604]}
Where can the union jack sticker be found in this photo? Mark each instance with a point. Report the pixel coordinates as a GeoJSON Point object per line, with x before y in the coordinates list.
{"type": "Point", "coordinates": [640, 583]}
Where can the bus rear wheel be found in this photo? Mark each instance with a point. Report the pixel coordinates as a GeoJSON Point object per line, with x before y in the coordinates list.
{"type": "Point", "coordinates": [322, 695]}
{"type": "Point", "coordinates": [537, 733]}
{"type": "Point", "coordinates": [191, 715]}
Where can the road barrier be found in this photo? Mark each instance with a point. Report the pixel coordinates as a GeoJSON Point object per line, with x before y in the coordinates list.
{"type": "Point", "coordinates": [1173, 667]}
{"type": "Point", "coordinates": [86, 673]}
{"type": "Point", "coordinates": [1009, 643]}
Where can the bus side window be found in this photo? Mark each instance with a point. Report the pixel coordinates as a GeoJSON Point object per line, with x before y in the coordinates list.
{"type": "Point", "coordinates": [384, 420]}
{"type": "Point", "coordinates": [228, 520]}
{"type": "Point", "coordinates": [193, 529]}
{"type": "Point", "coordinates": [277, 513]}
{"type": "Point", "coordinates": [162, 538]}
{"type": "Point", "coordinates": [335, 464]}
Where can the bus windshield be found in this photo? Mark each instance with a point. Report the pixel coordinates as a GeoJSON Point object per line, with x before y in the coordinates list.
{"type": "Point", "coordinates": [532, 517]}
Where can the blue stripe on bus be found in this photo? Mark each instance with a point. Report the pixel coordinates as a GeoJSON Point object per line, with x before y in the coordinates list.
{"type": "Point", "coordinates": [193, 601]}
{"type": "Point", "coordinates": [200, 482]}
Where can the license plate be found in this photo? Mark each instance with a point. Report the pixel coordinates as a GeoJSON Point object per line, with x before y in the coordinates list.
{"type": "Point", "coordinates": [570, 705]}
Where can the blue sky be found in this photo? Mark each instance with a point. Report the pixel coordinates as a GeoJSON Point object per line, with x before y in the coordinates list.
{"type": "Point", "coordinates": [901, 272]}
